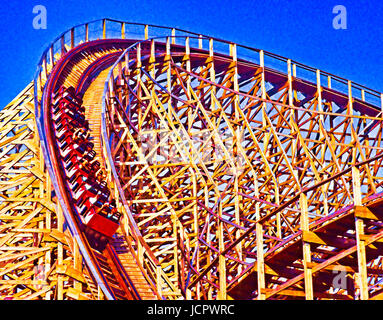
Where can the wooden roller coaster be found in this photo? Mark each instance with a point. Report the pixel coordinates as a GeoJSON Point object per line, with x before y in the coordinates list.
{"type": "Point", "coordinates": [146, 162]}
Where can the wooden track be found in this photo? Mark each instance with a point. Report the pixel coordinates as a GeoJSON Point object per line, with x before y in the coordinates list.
{"type": "Point", "coordinates": [92, 101]}
{"type": "Point", "coordinates": [68, 73]}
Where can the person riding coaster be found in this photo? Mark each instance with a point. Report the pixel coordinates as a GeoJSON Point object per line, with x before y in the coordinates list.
{"type": "Point", "coordinates": [85, 177]}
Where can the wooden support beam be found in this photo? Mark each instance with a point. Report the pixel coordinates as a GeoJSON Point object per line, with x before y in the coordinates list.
{"type": "Point", "coordinates": [104, 28]}
{"type": "Point", "coordinates": [72, 38]}
{"type": "Point", "coordinates": [260, 266]}
{"type": "Point", "coordinates": [123, 31]}
{"type": "Point", "coordinates": [381, 104]}
{"type": "Point", "coordinates": [86, 32]}
{"type": "Point", "coordinates": [359, 228]}
{"type": "Point", "coordinates": [306, 249]}
{"type": "Point", "coordinates": [146, 32]}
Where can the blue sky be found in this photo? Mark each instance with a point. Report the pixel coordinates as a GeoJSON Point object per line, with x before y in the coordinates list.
{"type": "Point", "coordinates": [300, 30]}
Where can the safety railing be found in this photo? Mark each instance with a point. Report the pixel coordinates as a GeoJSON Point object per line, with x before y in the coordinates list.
{"type": "Point", "coordinates": [115, 29]}
{"type": "Point", "coordinates": [90, 31]}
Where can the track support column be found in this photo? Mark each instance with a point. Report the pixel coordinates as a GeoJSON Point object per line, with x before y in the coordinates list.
{"type": "Point", "coordinates": [359, 230]}
{"type": "Point", "coordinates": [260, 253]}
{"type": "Point", "coordinates": [306, 249]}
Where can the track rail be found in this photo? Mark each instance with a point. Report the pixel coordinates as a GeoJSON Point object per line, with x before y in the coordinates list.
{"type": "Point", "coordinates": [105, 266]}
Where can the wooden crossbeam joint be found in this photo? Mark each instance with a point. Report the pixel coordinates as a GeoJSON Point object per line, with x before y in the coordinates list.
{"type": "Point", "coordinates": [311, 237]}
{"type": "Point", "coordinates": [54, 236]}
{"type": "Point", "coordinates": [70, 272]}
{"type": "Point", "coordinates": [363, 212]}
{"type": "Point", "coordinates": [76, 294]}
{"type": "Point", "coordinates": [268, 270]}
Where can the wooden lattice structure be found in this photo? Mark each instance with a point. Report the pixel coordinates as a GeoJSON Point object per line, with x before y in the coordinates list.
{"type": "Point", "coordinates": [38, 258]}
{"type": "Point", "coordinates": [238, 173]}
